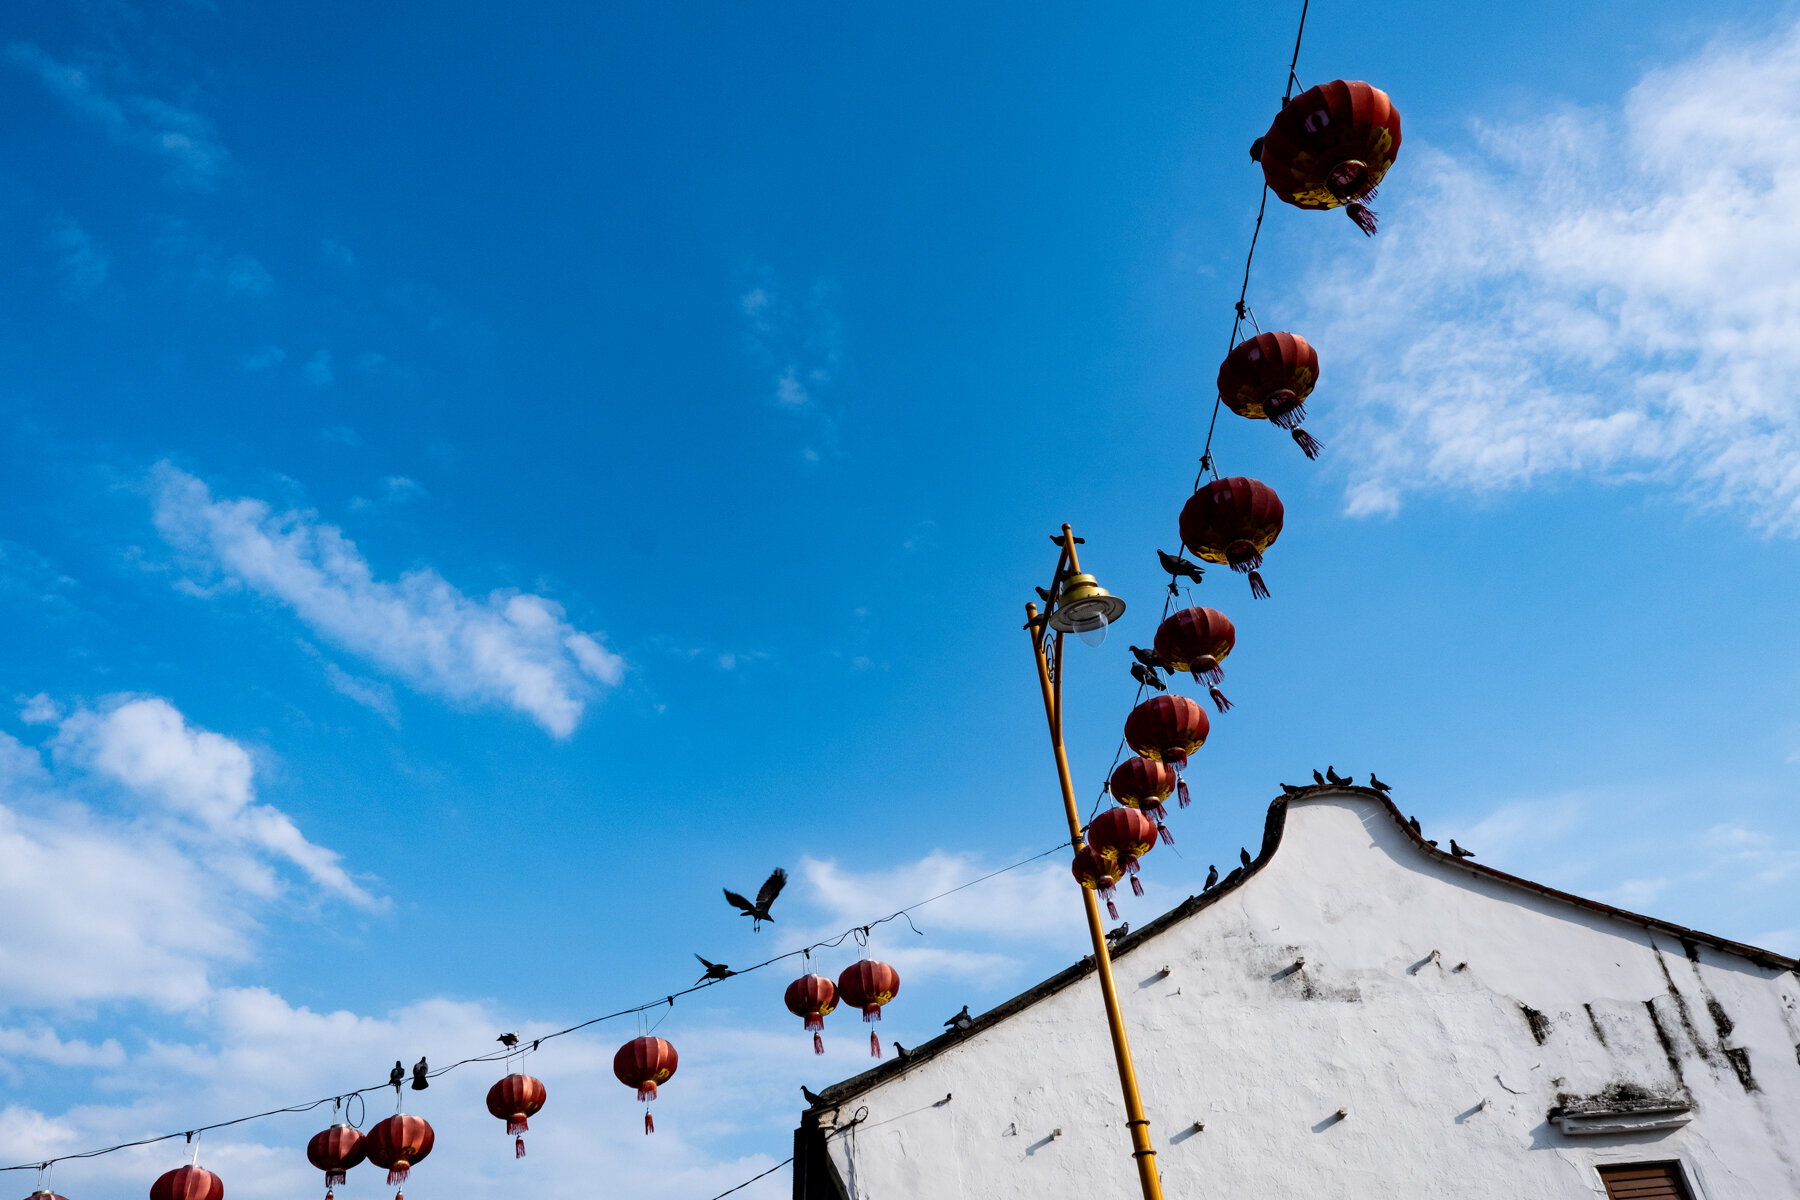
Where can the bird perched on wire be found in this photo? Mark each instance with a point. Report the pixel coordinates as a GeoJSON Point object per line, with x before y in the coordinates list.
{"type": "Point", "coordinates": [1243, 856]}
{"type": "Point", "coordinates": [714, 971]}
{"type": "Point", "coordinates": [1288, 789]}
{"type": "Point", "coordinates": [811, 1096]}
{"type": "Point", "coordinates": [1318, 778]}
{"type": "Point", "coordinates": [1413, 823]}
{"type": "Point", "coordinates": [1179, 568]}
{"type": "Point", "coordinates": [420, 1083]}
{"type": "Point", "coordinates": [1149, 658]}
{"type": "Point", "coordinates": [509, 1040]}
{"type": "Point", "coordinates": [1212, 879]}
{"type": "Point", "coordinates": [1334, 777]}
{"type": "Point", "coordinates": [1148, 677]}
{"type": "Point", "coordinates": [397, 1076]}
{"type": "Point", "coordinates": [765, 896]}
{"type": "Point", "coordinates": [1378, 785]}
{"type": "Point", "coordinates": [1460, 851]}
{"type": "Point", "coordinates": [961, 1020]}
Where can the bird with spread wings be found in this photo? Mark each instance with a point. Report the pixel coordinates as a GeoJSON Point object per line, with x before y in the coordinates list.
{"type": "Point", "coordinates": [765, 896]}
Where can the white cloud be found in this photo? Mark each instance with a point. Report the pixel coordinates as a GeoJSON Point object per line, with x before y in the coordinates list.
{"type": "Point", "coordinates": [265, 359]}
{"type": "Point", "coordinates": [178, 135]}
{"type": "Point", "coordinates": [246, 276]}
{"type": "Point", "coordinates": [40, 710]}
{"type": "Point", "coordinates": [369, 693]}
{"type": "Point", "coordinates": [1612, 294]}
{"type": "Point", "coordinates": [318, 369]}
{"type": "Point", "coordinates": [513, 648]}
{"type": "Point", "coordinates": [798, 342]}
{"type": "Point", "coordinates": [83, 263]}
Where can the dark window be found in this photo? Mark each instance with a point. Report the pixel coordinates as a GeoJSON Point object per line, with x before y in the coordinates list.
{"type": "Point", "coordinates": [1645, 1181]}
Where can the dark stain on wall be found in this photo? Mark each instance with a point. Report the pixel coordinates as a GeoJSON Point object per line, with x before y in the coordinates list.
{"type": "Point", "coordinates": [1539, 1023]}
{"type": "Point", "coordinates": [1668, 1045]}
{"type": "Point", "coordinates": [1601, 1033]}
{"type": "Point", "coordinates": [1739, 1058]}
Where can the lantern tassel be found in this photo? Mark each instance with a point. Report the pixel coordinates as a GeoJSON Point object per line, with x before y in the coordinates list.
{"type": "Point", "coordinates": [649, 1125]}
{"type": "Point", "coordinates": [818, 1044]}
{"type": "Point", "coordinates": [1309, 445]}
{"type": "Point", "coordinates": [1181, 791]}
{"type": "Point", "coordinates": [332, 1179]}
{"type": "Point", "coordinates": [519, 1148]}
{"type": "Point", "coordinates": [1156, 810]}
{"type": "Point", "coordinates": [647, 1090]}
{"type": "Point", "coordinates": [516, 1123]}
{"type": "Point", "coordinates": [1219, 700]}
{"type": "Point", "coordinates": [1112, 910]}
{"type": "Point", "coordinates": [874, 1045]}
{"type": "Point", "coordinates": [398, 1173]}
{"type": "Point", "coordinates": [1258, 588]}
{"type": "Point", "coordinates": [1168, 839]}
{"type": "Point", "coordinates": [1363, 216]}
{"type": "Point", "coordinates": [1137, 889]}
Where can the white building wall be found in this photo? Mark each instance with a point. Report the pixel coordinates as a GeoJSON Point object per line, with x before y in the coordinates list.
{"type": "Point", "coordinates": [1408, 1015]}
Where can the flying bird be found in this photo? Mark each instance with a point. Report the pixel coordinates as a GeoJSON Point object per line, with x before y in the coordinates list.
{"type": "Point", "coordinates": [961, 1020]}
{"type": "Point", "coordinates": [1179, 568]}
{"type": "Point", "coordinates": [1334, 777]}
{"type": "Point", "coordinates": [765, 896]}
{"type": "Point", "coordinates": [397, 1076]}
{"type": "Point", "coordinates": [1318, 778]}
{"type": "Point", "coordinates": [714, 971]}
{"type": "Point", "coordinates": [1378, 785]}
{"type": "Point", "coordinates": [1414, 823]}
{"type": "Point", "coordinates": [812, 1097]}
{"type": "Point", "coordinates": [1148, 677]}
{"type": "Point", "coordinates": [1212, 879]}
{"type": "Point", "coordinates": [509, 1040]}
{"type": "Point", "coordinates": [420, 1083]}
{"type": "Point", "coordinates": [1288, 789]}
{"type": "Point", "coordinates": [1460, 851]}
{"type": "Point", "coordinates": [1243, 856]}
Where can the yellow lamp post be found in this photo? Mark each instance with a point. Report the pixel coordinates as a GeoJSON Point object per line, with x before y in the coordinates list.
{"type": "Point", "coordinates": [1076, 604]}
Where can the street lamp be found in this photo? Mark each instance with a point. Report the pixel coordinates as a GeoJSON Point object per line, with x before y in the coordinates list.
{"type": "Point", "coordinates": [1076, 604]}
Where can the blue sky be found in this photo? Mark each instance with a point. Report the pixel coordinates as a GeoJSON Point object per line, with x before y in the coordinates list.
{"type": "Point", "coordinates": [479, 479]}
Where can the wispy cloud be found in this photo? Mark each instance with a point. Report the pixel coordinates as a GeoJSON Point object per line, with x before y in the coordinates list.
{"type": "Point", "coordinates": [513, 648]}
{"type": "Point", "coordinates": [181, 137]}
{"type": "Point", "coordinates": [799, 344]}
{"type": "Point", "coordinates": [82, 262]}
{"type": "Point", "coordinates": [1613, 294]}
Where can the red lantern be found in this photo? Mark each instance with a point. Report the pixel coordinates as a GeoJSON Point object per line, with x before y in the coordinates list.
{"type": "Point", "coordinates": [1197, 640]}
{"type": "Point", "coordinates": [1144, 784]}
{"type": "Point", "coordinates": [334, 1151]}
{"type": "Point", "coordinates": [812, 998]}
{"type": "Point", "coordinates": [642, 1063]}
{"type": "Point", "coordinates": [1268, 378]}
{"type": "Point", "coordinates": [515, 1099]}
{"type": "Point", "coordinates": [1233, 521]}
{"type": "Point", "coordinates": [188, 1183]}
{"type": "Point", "coordinates": [45, 1194]}
{"type": "Point", "coordinates": [1330, 146]}
{"type": "Point", "coordinates": [1096, 875]}
{"type": "Point", "coordinates": [1121, 836]}
{"type": "Point", "coordinates": [868, 985]}
{"type": "Point", "coordinates": [1167, 729]}
{"type": "Point", "coordinates": [399, 1143]}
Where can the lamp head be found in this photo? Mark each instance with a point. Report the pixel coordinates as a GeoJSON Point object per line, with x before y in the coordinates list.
{"type": "Point", "coordinates": [1085, 609]}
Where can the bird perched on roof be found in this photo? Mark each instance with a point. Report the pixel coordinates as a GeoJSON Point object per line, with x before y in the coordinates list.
{"type": "Point", "coordinates": [1288, 789]}
{"type": "Point", "coordinates": [1318, 778]}
{"type": "Point", "coordinates": [714, 971]}
{"type": "Point", "coordinates": [1179, 568]}
{"type": "Point", "coordinates": [1148, 677]}
{"type": "Point", "coordinates": [509, 1040]}
{"type": "Point", "coordinates": [900, 1052]}
{"type": "Point", "coordinates": [397, 1076]}
{"type": "Point", "coordinates": [1149, 658]}
{"type": "Point", "coordinates": [1212, 879]}
{"type": "Point", "coordinates": [1114, 934]}
{"type": "Point", "coordinates": [812, 1097]}
{"type": "Point", "coordinates": [765, 896]}
{"type": "Point", "coordinates": [1378, 785]}
{"type": "Point", "coordinates": [1243, 856]}
{"type": "Point", "coordinates": [420, 1083]}
{"type": "Point", "coordinates": [961, 1020]}
{"type": "Point", "coordinates": [1459, 851]}
{"type": "Point", "coordinates": [1413, 823]}
{"type": "Point", "coordinates": [1334, 777]}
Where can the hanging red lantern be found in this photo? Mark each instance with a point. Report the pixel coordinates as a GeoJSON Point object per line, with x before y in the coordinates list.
{"type": "Point", "coordinates": [1197, 640]}
{"type": "Point", "coordinates": [399, 1144]}
{"type": "Point", "coordinates": [1167, 729]}
{"type": "Point", "coordinates": [1268, 378]}
{"type": "Point", "coordinates": [812, 998]}
{"type": "Point", "coordinates": [334, 1151]}
{"type": "Point", "coordinates": [1143, 783]}
{"type": "Point", "coordinates": [45, 1194]}
{"type": "Point", "coordinates": [1330, 146]}
{"type": "Point", "coordinates": [1096, 875]}
{"type": "Point", "coordinates": [1233, 521]}
{"type": "Point", "coordinates": [514, 1100]}
{"type": "Point", "coordinates": [868, 985]}
{"type": "Point", "coordinates": [642, 1063]}
{"type": "Point", "coordinates": [188, 1183]}
{"type": "Point", "coordinates": [1121, 836]}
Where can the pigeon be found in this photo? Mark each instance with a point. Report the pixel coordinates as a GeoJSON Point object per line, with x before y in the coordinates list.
{"type": "Point", "coordinates": [420, 1083]}
{"type": "Point", "coordinates": [900, 1052]}
{"type": "Point", "coordinates": [1113, 935]}
{"type": "Point", "coordinates": [812, 1097]}
{"type": "Point", "coordinates": [1149, 658]}
{"type": "Point", "coordinates": [714, 971]}
{"type": "Point", "coordinates": [1378, 785]}
{"type": "Point", "coordinates": [1148, 677]}
{"type": "Point", "coordinates": [1243, 856]}
{"type": "Point", "coordinates": [1256, 150]}
{"type": "Point", "coordinates": [961, 1020]}
{"type": "Point", "coordinates": [1334, 777]}
{"type": "Point", "coordinates": [1431, 843]}
{"type": "Point", "coordinates": [1212, 879]}
{"type": "Point", "coordinates": [765, 896]}
{"type": "Point", "coordinates": [1179, 568]}
{"type": "Point", "coordinates": [1042, 595]}
{"type": "Point", "coordinates": [1318, 778]}
{"type": "Point", "coordinates": [1460, 851]}
{"type": "Point", "coordinates": [1288, 789]}
{"type": "Point", "coordinates": [509, 1040]}
{"type": "Point", "coordinates": [397, 1076]}
{"type": "Point", "coordinates": [1414, 823]}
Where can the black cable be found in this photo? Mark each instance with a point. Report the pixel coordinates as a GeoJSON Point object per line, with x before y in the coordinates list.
{"type": "Point", "coordinates": [740, 1187]}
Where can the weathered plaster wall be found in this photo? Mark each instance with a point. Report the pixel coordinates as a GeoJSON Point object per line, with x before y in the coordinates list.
{"type": "Point", "coordinates": [1410, 1013]}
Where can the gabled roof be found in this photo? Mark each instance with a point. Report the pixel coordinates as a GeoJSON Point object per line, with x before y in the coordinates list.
{"type": "Point", "coordinates": [1273, 828]}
